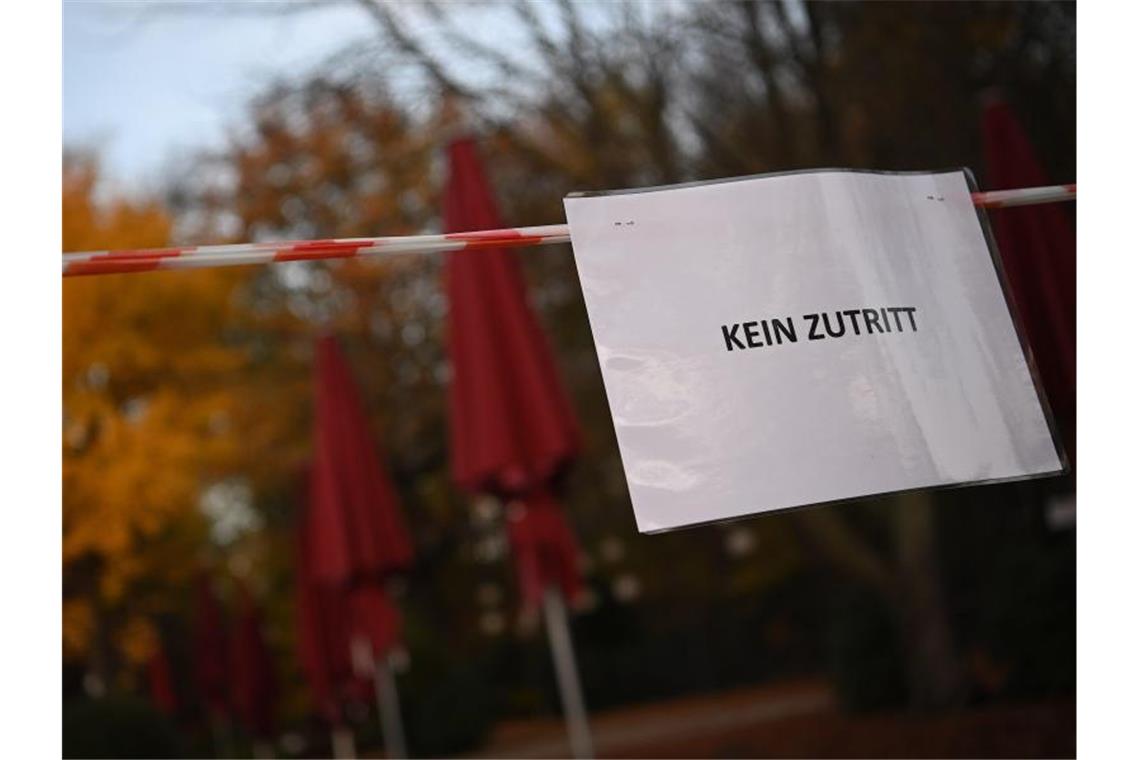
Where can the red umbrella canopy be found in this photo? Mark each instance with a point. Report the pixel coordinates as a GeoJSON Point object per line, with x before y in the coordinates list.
{"type": "Point", "coordinates": [252, 678]}
{"type": "Point", "coordinates": [357, 531]}
{"type": "Point", "coordinates": [322, 631]}
{"type": "Point", "coordinates": [373, 617]}
{"type": "Point", "coordinates": [512, 427]}
{"type": "Point", "coordinates": [161, 682]}
{"type": "Point", "coordinates": [328, 617]}
{"type": "Point", "coordinates": [543, 547]}
{"type": "Point", "coordinates": [1039, 254]}
{"type": "Point", "coordinates": [209, 646]}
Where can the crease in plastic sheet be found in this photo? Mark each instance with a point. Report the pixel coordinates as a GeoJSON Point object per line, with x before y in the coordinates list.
{"type": "Point", "coordinates": [712, 426]}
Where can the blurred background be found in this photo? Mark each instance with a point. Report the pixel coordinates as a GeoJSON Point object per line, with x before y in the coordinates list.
{"type": "Point", "coordinates": [939, 624]}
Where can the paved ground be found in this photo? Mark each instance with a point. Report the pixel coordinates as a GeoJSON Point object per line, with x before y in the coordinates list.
{"type": "Point", "coordinates": [799, 719]}
{"type": "Point", "coordinates": [628, 731]}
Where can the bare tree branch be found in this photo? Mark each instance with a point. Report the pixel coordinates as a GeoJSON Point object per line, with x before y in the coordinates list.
{"type": "Point", "coordinates": [546, 46]}
{"type": "Point", "coordinates": [764, 64]}
{"type": "Point", "coordinates": [845, 549]}
{"type": "Point", "coordinates": [229, 8]}
{"type": "Point", "coordinates": [507, 67]}
{"type": "Point", "coordinates": [407, 44]}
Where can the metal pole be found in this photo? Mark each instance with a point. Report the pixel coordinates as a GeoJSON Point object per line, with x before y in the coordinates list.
{"type": "Point", "coordinates": [220, 733]}
{"type": "Point", "coordinates": [388, 705]}
{"type": "Point", "coordinates": [566, 671]}
{"type": "Point", "coordinates": [343, 745]}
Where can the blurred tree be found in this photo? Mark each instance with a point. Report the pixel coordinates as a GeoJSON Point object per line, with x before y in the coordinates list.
{"type": "Point", "coordinates": [327, 160]}
{"type": "Point", "coordinates": [149, 411]}
{"type": "Point", "coordinates": [749, 87]}
{"type": "Point", "coordinates": [323, 159]}
{"type": "Point", "coordinates": [589, 96]}
{"type": "Point", "coordinates": [884, 85]}
{"type": "Point", "coordinates": [118, 727]}
{"type": "Point", "coordinates": [127, 473]}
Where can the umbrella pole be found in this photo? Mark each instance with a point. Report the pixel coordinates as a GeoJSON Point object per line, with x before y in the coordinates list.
{"type": "Point", "coordinates": [220, 734]}
{"type": "Point", "coordinates": [388, 705]}
{"type": "Point", "coordinates": [343, 745]}
{"type": "Point", "coordinates": [566, 671]}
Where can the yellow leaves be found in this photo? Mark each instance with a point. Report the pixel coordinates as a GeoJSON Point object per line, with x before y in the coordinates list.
{"type": "Point", "coordinates": [137, 640]}
{"type": "Point", "coordinates": [174, 382]}
{"type": "Point", "coordinates": [150, 325]}
{"type": "Point", "coordinates": [141, 468]}
{"type": "Point", "coordinates": [149, 379]}
{"type": "Point", "coordinates": [88, 225]}
{"type": "Point", "coordinates": [78, 627]}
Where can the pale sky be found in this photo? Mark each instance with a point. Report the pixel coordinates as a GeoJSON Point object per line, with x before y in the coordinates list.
{"type": "Point", "coordinates": [142, 82]}
{"type": "Point", "coordinates": [146, 81]}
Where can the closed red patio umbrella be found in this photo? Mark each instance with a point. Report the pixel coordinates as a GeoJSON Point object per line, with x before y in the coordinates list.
{"type": "Point", "coordinates": [323, 643]}
{"type": "Point", "coordinates": [512, 427]}
{"type": "Point", "coordinates": [544, 548]}
{"type": "Point", "coordinates": [356, 536]}
{"type": "Point", "coordinates": [374, 618]}
{"type": "Point", "coordinates": [1039, 254]}
{"type": "Point", "coordinates": [160, 682]}
{"type": "Point", "coordinates": [330, 619]}
{"type": "Point", "coordinates": [211, 660]}
{"type": "Point", "coordinates": [513, 431]}
{"type": "Point", "coordinates": [253, 681]}
{"type": "Point", "coordinates": [318, 646]}
{"type": "Point", "coordinates": [209, 647]}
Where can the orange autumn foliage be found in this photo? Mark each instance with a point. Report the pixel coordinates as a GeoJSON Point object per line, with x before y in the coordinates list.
{"type": "Point", "coordinates": [146, 415]}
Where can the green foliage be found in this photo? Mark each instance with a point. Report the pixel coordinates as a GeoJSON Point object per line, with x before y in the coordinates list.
{"type": "Point", "coordinates": [702, 90]}
{"type": "Point", "coordinates": [119, 727]}
{"type": "Point", "coordinates": [445, 703]}
{"type": "Point", "coordinates": [1013, 588]}
{"type": "Point", "coordinates": [1029, 615]}
{"type": "Point", "coordinates": [864, 653]}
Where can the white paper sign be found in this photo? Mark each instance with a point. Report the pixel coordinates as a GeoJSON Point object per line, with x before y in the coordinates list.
{"type": "Point", "coordinates": [796, 339]}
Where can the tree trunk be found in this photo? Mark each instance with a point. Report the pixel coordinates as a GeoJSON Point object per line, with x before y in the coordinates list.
{"type": "Point", "coordinates": [909, 583]}
{"type": "Point", "coordinates": [934, 674]}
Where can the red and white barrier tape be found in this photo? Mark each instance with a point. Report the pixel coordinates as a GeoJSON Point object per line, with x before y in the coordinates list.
{"type": "Point", "coordinates": [110, 262]}
{"type": "Point", "coordinates": [1026, 196]}
{"type": "Point", "coordinates": [195, 257]}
